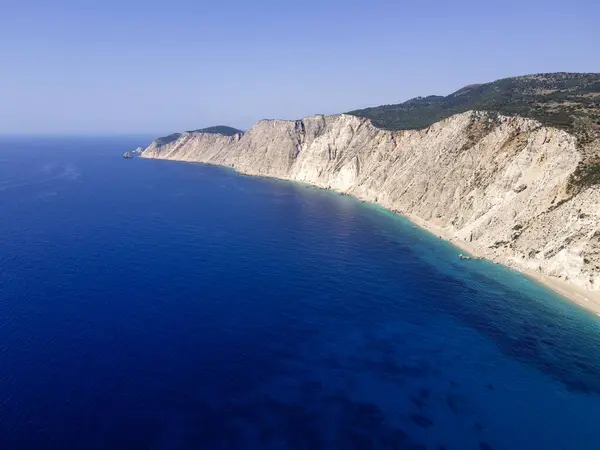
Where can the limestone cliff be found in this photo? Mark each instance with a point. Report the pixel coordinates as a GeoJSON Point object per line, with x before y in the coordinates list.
{"type": "Point", "coordinates": [504, 186]}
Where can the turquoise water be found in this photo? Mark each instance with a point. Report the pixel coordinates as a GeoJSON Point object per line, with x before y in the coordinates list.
{"type": "Point", "coordinates": [161, 305]}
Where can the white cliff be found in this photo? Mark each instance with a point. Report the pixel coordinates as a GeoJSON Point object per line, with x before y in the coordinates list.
{"type": "Point", "coordinates": [501, 187]}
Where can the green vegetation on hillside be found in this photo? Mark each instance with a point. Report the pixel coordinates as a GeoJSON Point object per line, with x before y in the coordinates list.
{"type": "Point", "coordinates": [167, 139]}
{"type": "Point", "coordinates": [219, 129]}
{"type": "Point", "coordinates": [555, 99]}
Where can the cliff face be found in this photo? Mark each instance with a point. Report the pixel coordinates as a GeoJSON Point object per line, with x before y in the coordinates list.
{"type": "Point", "coordinates": [502, 185]}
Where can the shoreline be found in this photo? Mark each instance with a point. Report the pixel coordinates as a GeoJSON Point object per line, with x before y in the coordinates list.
{"type": "Point", "coordinates": [588, 300]}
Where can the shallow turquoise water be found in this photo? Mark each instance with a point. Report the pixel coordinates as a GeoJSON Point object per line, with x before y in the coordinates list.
{"type": "Point", "coordinates": [161, 305]}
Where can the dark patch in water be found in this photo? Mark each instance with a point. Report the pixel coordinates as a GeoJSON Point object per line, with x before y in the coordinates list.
{"type": "Point", "coordinates": [312, 387]}
{"type": "Point", "coordinates": [454, 403]}
{"type": "Point", "coordinates": [557, 351]}
{"type": "Point", "coordinates": [420, 420]}
{"type": "Point", "coordinates": [356, 440]}
{"type": "Point", "coordinates": [394, 438]}
{"type": "Point", "coordinates": [135, 434]}
{"type": "Point", "coordinates": [417, 401]}
{"type": "Point", "coordinates": [364, 415]}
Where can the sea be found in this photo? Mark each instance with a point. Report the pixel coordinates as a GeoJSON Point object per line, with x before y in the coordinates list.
{"type": "Point", "coordinates": [150, 304]}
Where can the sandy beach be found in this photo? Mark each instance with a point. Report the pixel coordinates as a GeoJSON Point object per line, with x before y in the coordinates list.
{"type": "Point", "coordinates": [586, 299]}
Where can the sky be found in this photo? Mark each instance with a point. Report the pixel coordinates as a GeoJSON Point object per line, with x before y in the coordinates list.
{"type": "Point", "coordinates": [129, 66]}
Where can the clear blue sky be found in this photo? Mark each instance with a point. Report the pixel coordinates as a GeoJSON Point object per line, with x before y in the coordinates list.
{"type": "Point", "coordinates": [146, 66]}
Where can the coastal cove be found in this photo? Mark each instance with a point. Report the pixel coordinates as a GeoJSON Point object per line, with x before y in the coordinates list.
{"type": "Point", "coordinates": [498, 187]}
{"type": "Point", "coordinates": [185, 306]}
{"type": "Point", "coordinates": [590, 301]}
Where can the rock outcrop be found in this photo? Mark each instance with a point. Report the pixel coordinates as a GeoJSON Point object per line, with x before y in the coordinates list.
{"type": "Point", "coordinates": [503, 185]}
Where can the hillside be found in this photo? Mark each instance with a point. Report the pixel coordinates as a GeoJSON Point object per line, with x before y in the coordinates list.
{"type": "Point", "coordinates": [219, 129]}
{"type": "Point", "coordinates": [565, 100]}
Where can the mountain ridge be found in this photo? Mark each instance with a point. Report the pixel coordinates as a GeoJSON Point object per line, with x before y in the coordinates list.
{"type": "Point", "coordinates": [554, 99]}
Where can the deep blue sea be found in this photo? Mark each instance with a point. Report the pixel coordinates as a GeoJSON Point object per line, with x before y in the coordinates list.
{"type": "Point", "coordinates": [162, 305]}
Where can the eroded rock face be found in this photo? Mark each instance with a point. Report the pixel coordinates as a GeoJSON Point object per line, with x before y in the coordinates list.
{"type": "Point", "coordinates": [499, 183]}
